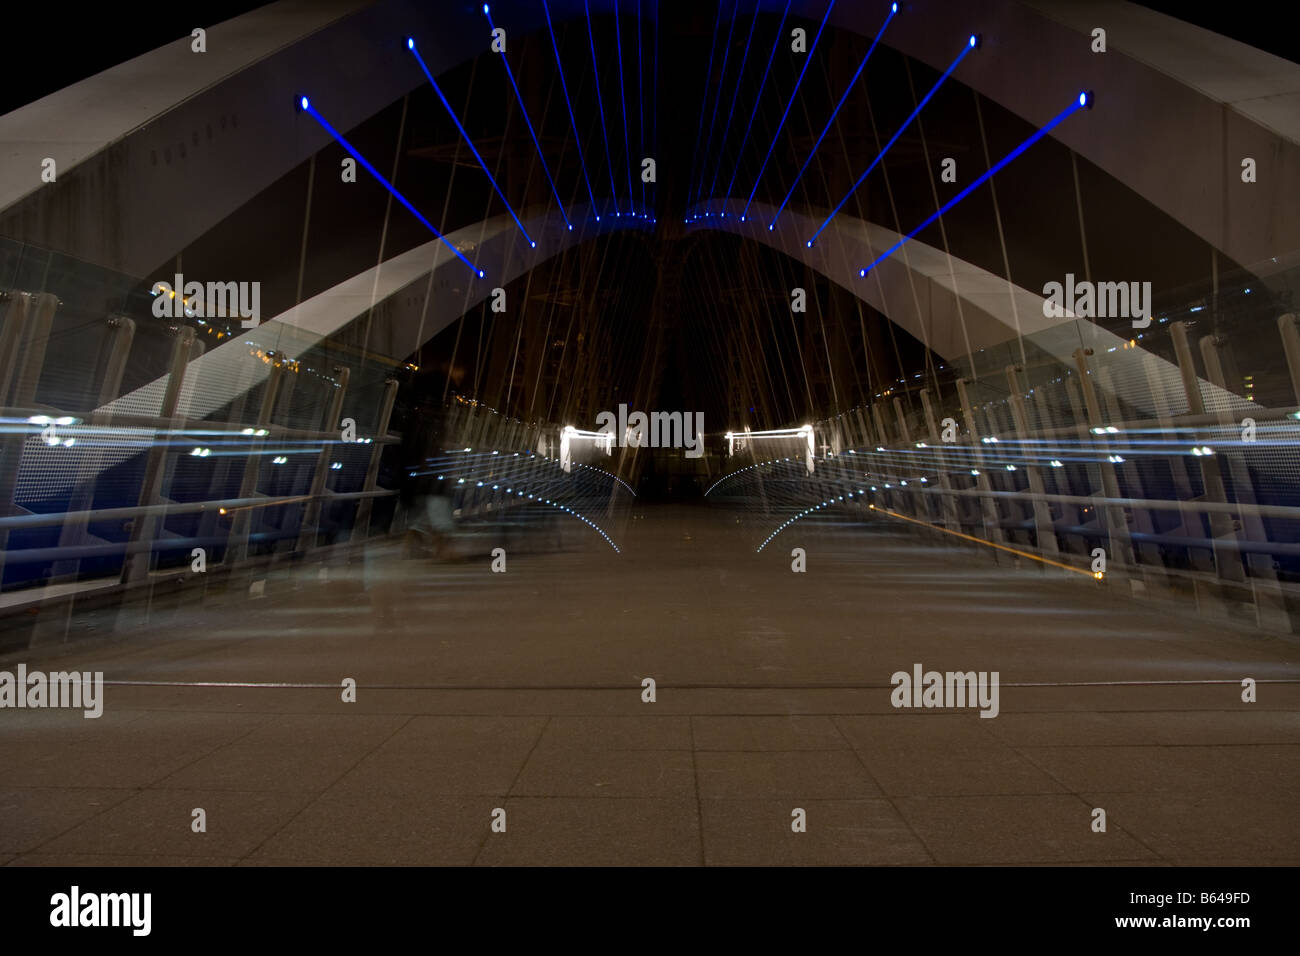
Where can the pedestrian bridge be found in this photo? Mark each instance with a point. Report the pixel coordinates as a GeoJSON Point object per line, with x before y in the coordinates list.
{"type": "Point", "coordinates": [937, 563]}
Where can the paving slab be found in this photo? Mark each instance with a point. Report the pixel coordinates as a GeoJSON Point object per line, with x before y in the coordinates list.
{"type": "Point", "coordinates": [161, 822]}
{"type": "Point", "coordinates": [838, 833]}
{"type": "Point", "coordinates": [568, 831]}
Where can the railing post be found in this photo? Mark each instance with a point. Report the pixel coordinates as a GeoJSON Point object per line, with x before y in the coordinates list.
{"type": "Point", "coordinates": [11, 445]}
{"type": "Point", "coordinates": [240, 525]}
{"type": "Point", "coordinates": [1228, 563]}
{"type": "Point", "coordinates": [11, 335]}
{"type": "Point", "coordinates": [949, 504]}
{"type": "Point", "coordinates": [33, 356]}
{"type": "Point", "coordinates": [309, 528]}
{"type": "Point", "coordinates": [366, 507]}
{"type": "Point", "coordinates": [1190, 521]}
{"type": "Point", "coordinates": [1286, 324]}
{"type": "Point", "coordinates": [138, 561]}
{"type": "Point", "coordinates": [882, 433]}
{"type": "Point", "coordinates": [904, 434]}
{"type": "Point", "coordinates": [139, 555]}
{"type": "Point", "coordinates": [1270, 605]}
{"type": "Point", "coordinates": [74, 531]}
{"type": "Point", "coordinates": [1145, 553]}
{"type": "Point", "coordinates": [1115, 522]}
{"type": "Point", "coordinates": [1046, 531]}
{"type": "Point", "coordinates": [988, 506]}
{"type": "Point", "coordinates": [30, 314]}
{"type": "Point", "coordinates": [55, 619]}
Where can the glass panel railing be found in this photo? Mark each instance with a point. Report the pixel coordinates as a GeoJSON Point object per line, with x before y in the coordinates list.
{"type": "Point", "coordinates": [135, 432]}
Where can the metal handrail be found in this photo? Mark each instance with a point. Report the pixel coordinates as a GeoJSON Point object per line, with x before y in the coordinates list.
{"type": "Point", "coordinates": [189, 507]}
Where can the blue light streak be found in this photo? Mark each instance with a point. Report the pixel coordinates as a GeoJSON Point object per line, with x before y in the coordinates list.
{"type": "Point", "coordinates": [780, 37]}
{"type": "Point", "coordinates": [640, 99]}
{"type": "Point", "coordinates": [654, 105]}
{"type": "Point", "coordinates": [577, 140]}
{"type": "Point", "coordinates": [600, 106]}
{"type": "Point", "coordinates": [704, 101]}
{"type": "Point", "coordinates": [531, 132]}
{"type": "Point", "coordinates": [305, 105]}
{"type": "Point", "coordinates": [734, 96]}
{"type": "Point", "coordinates": [410, 45]}
{"type": "Point", "coordinates": [717, 101]}
{"type": "Point", "coordinates": [966, 48]}
{"type": "Point", "coordinates": [622, 94]}
{"type": "Point", "coordinates": [1081, 102]}
{"type": "Point", "coordinates": [795, 92]}
{"type": "Point", "coordinates": [836, 112]}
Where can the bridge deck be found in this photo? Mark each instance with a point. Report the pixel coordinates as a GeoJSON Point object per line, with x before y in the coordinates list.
{"type": "Point", "coordinates": [523, 691]}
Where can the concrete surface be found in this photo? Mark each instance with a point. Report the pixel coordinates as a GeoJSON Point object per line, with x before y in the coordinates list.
{"type": "Point", "coordinates": [522, 691]}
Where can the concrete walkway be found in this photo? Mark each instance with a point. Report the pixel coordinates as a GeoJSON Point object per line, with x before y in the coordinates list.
{"type": "Point", "coordinates": [523, 691]}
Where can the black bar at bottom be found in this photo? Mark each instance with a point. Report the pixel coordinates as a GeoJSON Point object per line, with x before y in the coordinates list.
{"type": "Point", "coordinates": [810, 908]}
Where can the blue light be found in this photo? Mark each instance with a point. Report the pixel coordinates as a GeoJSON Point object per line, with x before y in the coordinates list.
{"type": "Point", "coordinates": [468, 142]}
{"type": "Point", "coordinates": [781, 125]}
{"type": "Point", "coordinates": [410, 43]}
{"type": "Point", "coordinates": [780, 38]}
{"type": "Point", "coordinates": [1056, 121]}
{"type": "Point", "coordinates": [972, 41]}
{"type": "Point", "coordinates": [881, 155]}
{"type": "Point", "coordinates": [640, 92]}
{"type": "Point", "coordinates": [600, 104]}
{"type": "Point", "coordinates": [834, 113]}
{"type": "Point", "coordinates": [731, 112]}
{"type": "Point", "coordinates": [572, 120]}
{"type": "Point", "coordinates": [893, 8]}
{"type": "Point", "coordinates": [717, 101]}
{"type": "Point", "coordinates": [532, 243]}
{"type": "Point", "coordinates": [704, 101]}
{"type": "Point", "coordinates": [510, 74]}
{"type": "Point", "coordinates": [622, 102]}
{"type": "Point", "coordinates": [382, 181]}
{"type": "Point", "coordinates": [1083, 99]}
{"type": "Point", "coordinates": [481, 273]}
{"type": "Point", "coordinates": [809, 243]}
